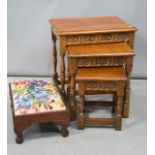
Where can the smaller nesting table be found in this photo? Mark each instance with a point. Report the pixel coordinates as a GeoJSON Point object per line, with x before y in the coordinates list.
{"type": "Point", "coordinates": [99, 55]}
{"type": "Point", "coordinates": [103, 79]}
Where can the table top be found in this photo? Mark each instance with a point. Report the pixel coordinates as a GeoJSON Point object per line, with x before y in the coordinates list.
{"type": "Point", "coordinates": [109, 49]}
{"type": "Point", "coordinates": [64, 26]}
{"type": "Point", "coordinates": [101, 73]}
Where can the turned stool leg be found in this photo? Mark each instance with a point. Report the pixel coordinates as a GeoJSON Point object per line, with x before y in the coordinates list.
{"type": "Point", "coordinates": [64, 131]}
{"type": "Point", "coordinates": [80, 118]}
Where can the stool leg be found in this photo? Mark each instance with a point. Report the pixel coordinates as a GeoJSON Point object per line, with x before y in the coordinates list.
{"type": "Point", "coordinates": [19, 138]}
{"type": "Point", "coordinates": [19, 134]}
{"type": "Point", "coordinates": [64, 131]}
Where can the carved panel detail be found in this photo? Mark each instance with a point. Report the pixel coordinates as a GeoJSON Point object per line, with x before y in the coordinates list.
{"type": "Point", "coordinates": [108, 61]}
{"type": "Point", "coordinates": [89, 38]}
{"type": "Point", "coordinates": [73, 39]}
{"type": "Point", "coordinates": [100, 85]}
{"type": "Point", "coordinates": [106, 37]}
{"type": "Point", "coordinates": [98, 38]}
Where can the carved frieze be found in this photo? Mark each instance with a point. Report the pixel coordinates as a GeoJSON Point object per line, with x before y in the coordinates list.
{"type": "Point", "coordinates": [73, 39]}
{"type": "Point", "coordinates": [98, 38]}
{"type": "Point", "coordinates": [123, 37]}
{"type": "Point", "coordinates": [106, 61]}
{"type": "Point", "coordinates": [89, 38]}
{"type": "Point", "coordinates": [100, 85]}
{"type": "Point", "coordinates": [106, 37]}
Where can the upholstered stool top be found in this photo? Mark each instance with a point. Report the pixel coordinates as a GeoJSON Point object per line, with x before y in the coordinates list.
{"type": "Point", "coordinates": [36, 96]}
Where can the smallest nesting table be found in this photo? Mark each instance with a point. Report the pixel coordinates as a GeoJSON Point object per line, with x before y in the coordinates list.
{"type": "Point", "coordinates": [37, 101]}
{"type": "Point", "coordinates": [103, 79]}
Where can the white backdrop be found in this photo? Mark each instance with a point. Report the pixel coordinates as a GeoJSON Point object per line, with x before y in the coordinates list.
{"type": "Point", "coordinates": [29, 36]}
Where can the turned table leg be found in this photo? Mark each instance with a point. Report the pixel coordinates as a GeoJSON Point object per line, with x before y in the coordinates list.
{"type": "Point", "coordinates": [62, 75]}
{"type": "Point", "coordinates": [80, 118]}
{"type": "Point", "coordinates": [126, 105]}
{"type": "Point", "coordinates": [118, 109]}
{"type": "Point", "coordinates": [54, 58]}
{"type": "Point", "coordinates": [72, 98]}
{"type": "Point", "coordinates": [68, 82]}
{"type": "Point", "coordinates": [62, 64]}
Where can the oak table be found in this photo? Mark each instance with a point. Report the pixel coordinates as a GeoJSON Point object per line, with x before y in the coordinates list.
{"type": "Point", "coordinates": [101, 78]}
{"type": "Point", "coordinates": [79, 31]}
{"type": "Point", "coordinates": [97, 55]}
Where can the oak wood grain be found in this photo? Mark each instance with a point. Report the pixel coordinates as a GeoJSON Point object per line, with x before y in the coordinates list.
{"type": "Point", "coordinates": [101, 74]}
{"type": "Point", "coordinates": [90, 24]}
{"type": "Point", "coordinates": [109, 49]}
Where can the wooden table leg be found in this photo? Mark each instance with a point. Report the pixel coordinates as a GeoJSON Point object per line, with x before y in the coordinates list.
{"type": "Point", "coordinates": [72, 98]}
{"type": "Point", "coordinates": [80, 113]}
{"type": "Point", "coordinates": [54, 58]}
{"type": "Point", "coordinates": [62, 74]}
{"type": "Point", "coordinates": [62, 64]}
{"type": "Point", "coordinates": [126, 105]}
{"type": "Point", "coordinates": [72, 71]}
{"type": "Point", "coordinates": [118, 108]}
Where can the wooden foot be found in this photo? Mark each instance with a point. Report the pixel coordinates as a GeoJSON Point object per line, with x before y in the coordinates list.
{"type": "Point", "coordinates": [72, 113]}
{"type": "Point", "coordinates": [64, 131]}
{"type": "Point", "coordinates": [118, 122]}
{"type": "Point", "coordinates": [126, 105]}
{"type": "Point", "coordinates": [19, 138]}
{"type": "Point", "coordinates": [125, 112]}
{"type": "Point", "coordinates": [80, 122]}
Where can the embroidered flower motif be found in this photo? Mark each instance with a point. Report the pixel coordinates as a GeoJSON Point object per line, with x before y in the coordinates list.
{"type": "Point", "coordinates": [24, 102]}
{"type": "Point", "coordinates": [35, 96]}
{"type": "Point", "coordinates": [36, 83]}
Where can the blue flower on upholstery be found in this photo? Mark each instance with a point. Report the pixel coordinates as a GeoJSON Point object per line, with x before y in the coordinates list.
{"type": "Point", "coordinates": [37, 92]}
{"type": "Point", "coordinates": [42, 98]}
{"type": "Point", "coordinates": [25, 102]}
{"type": "Point", "coordinates": [37, 83]}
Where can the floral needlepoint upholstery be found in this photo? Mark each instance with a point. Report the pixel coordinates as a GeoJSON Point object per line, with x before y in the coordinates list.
{"type": "Point", "coordinates": [35, 96]}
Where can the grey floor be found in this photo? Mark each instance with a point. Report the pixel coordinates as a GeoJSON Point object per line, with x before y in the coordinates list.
{"type": "Point", "coordinates": [46, 140]}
